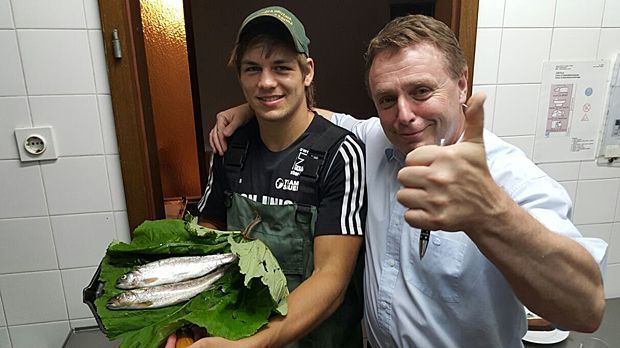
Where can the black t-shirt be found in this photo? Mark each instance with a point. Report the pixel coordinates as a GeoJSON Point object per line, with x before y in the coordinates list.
{"type": "Point", "coordinates": [273, 178]}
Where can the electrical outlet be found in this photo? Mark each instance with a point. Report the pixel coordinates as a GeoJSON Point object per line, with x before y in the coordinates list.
{"type": "Point", "coordinates": [35, 144]}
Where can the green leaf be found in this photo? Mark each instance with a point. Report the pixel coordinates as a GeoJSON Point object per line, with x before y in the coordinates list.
{"type": "Point", "coordinates": [232, 308]}
{"type": "Point", "coordinates": [257, 261]}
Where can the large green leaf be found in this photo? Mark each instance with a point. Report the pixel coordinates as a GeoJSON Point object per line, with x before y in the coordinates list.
{"type": "Point", "coordinates": [256, 261]}
{"type": "Point", "coordinates": [232, 308]}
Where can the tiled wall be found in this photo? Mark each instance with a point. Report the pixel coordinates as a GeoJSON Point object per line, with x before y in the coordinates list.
{"type": "Point", "coordinates": [57, 217]}
{"type": "Point", "coordinates": [514, 38]}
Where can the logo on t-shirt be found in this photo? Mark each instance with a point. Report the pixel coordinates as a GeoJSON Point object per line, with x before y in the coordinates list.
{"type": "Point", "coordinates": [299, 161]}
{"type": "Point", "coordinates": [287, 184]}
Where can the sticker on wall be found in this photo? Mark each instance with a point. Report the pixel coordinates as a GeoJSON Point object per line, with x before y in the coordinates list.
{"type": "Point", "coordinates": [570, 110]}
{"type": "Point", "coordinates": [609, 148]}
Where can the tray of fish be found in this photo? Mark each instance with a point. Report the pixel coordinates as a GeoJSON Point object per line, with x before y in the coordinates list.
{"type": "Point", "coordinates": [160, 283]}
{"type": "Point", "coordinates": [176, 273]}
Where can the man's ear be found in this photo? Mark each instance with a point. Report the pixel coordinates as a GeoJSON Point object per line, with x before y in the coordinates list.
{"type": "Point", "coordinates": [462, 84]}
{"type": "Point", "coordinates": [310, 72]}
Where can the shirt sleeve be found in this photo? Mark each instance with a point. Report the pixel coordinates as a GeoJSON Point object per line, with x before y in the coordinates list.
{"type": "Point", "coordinates": [544, 198]}
{"type": "Point", "coordinates": [211, 205]}
{"type": "Point", "coordinates": [361, 128]}
{"type": "Point", "coordinates": [342, 202]}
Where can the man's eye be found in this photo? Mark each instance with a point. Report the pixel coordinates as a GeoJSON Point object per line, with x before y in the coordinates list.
{"type": "Point", "coordinates": [421, 93]}
{"type": "Point", "coordinates": [251, 69]}
{"type": "Point", "coordinates": [386, 102]}
{"type": "Point", "coordinates": [281, 68]}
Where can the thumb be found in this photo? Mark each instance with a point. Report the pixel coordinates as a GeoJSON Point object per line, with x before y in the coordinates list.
{"type": "Point", "coordinates": [474, 118]}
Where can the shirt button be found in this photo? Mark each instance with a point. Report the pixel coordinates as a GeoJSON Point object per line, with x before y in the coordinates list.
{"type": "Point", "coordinates": [436, 241]}
{"type": "Point", "coordinates": [391, 263]}
{"type": "Point", "coordinates": [384, 305]}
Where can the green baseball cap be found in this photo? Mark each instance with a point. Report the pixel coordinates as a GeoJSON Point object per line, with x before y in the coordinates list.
{"type": "Point", "coordinates": [286, 17]}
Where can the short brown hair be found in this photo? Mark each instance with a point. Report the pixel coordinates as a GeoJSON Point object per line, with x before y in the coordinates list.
{"type": "Point", "coordinates": [270, 35]}
{"type": "Point", "coordinates": [413, 30]}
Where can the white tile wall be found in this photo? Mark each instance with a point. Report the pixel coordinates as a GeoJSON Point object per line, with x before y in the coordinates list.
{"type": "Point", "coordinates": [23, 194]}
{"type": "Point", "coordinates": [561, 171]}
{"type": "Point", "coordinates": [522, 54]}
{"type": "Point", "coordinates": [37, 14]}
{"type": "Point", "coordinates": [77, 185]}
{"type": "Point", "coordinates": [13, 114]}
{"type": "Point", "coordinates": [76, 323]}
{"type": "Point", "coordinates": [609, 44]}
{"type": "Point", "coordinates": [33, 297]}
{"type": "Point", "coordinates": [82, 239]}
{"type": "Point", "coordinates": [490, 13]}
{"type": "Point", "coordinates": [487, 61]}
{"type": "Point", "coordinates": [611, 14]}
{"type": "Point", "coordinates": [2, 318]}
{"type": "Point", "coordinates": [18, 253]}
{"type": "Point", "coordinates": [489, 103]}
{"type": "Point", "coordinates": [57, 61]}
{"type": "Point", "coordinates": [11, 73]}
{"type": "Point", "coordinates": [614, 244]}
{"type": "Point", "coordinates": [44, 335]}
{"type": "Point", "coordinates": [612, 281]}
{"type": "Point", "coordinates": [604, 193]}
{"type": "Point", "coordinates": [6, 21]}
{"type": "Point", "coordinates": [571, 189]}
{"type": "Point", "coordinates": [68, 113]}
{"type": "Point", "coordinates": [122, 226]}
{"type": "Point", "coordinates": [523, 142]}
{"type": "Point", "coordinates": [74, 281]}
{"type": "Point", "coordinates": [116, 182]}
{"type": "Point", "coordinates": [99, 65]}
{"type": "Point", "coordinates": [53, 72]}
{"type": "Point", "coordinates": [515, 114]}
{"type": "Point", "coordinates": [107, 124]}
{"type": "Point", "coordinates": [529, 13]}
{"type": "Point", "coordinates": [578, 13]}
{"type": "Point", "coordinates": [574, 44]}
{"type": "Point", "coordinates": [531, 32]}
{"type": "Point", "coordinates": [4, 338]}
{"type": "Point", "coordinates": [602, 231]}
{"type": "Point", "coordinates": [92, 14]}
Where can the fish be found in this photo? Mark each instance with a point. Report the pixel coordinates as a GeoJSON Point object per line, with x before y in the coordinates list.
{"type": "Point", "coordinates": [172, 270]}
{"type": "Point", "coordinates": [164, 295]}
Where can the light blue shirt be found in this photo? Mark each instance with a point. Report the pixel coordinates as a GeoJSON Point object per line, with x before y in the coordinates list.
{"type": "Point", "coordinates": [454, 297]}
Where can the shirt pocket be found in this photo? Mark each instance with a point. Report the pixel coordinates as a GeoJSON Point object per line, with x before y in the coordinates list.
{"type": "Point", "coordinates": [442, 273]}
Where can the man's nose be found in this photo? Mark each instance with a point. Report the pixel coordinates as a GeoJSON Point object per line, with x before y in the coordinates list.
{"type": "Point", "coordinates": [266, 80]}
{"type": "Point", "coordinates": [406, 114]}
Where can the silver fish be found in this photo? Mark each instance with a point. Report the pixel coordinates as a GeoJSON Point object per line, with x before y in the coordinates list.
{"type": "Point", "coordinates": [164, 295]}
{"type": "Point", "coordinates": [172, 270]}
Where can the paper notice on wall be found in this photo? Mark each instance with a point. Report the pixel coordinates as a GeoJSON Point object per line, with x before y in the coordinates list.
{"type": "Point", "coordinates": [570, 110]}
{"type": "Point", "coordinates": [609, 149]}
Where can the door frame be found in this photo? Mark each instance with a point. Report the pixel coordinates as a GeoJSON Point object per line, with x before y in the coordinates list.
{"type": "Point", "coordinates": [131, 100]}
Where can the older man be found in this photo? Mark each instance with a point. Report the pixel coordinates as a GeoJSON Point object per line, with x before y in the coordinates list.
{"type": "Point", "coordinates": [501, 235]}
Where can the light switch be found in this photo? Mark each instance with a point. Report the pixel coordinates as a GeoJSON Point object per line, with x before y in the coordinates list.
{"type": "Point", "coordinates": [35, 144]}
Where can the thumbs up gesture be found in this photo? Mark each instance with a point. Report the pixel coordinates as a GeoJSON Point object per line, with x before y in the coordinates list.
{"type": "Point", "coordinates": [450, 188]}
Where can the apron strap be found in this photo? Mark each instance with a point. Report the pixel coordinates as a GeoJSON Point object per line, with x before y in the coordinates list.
{"type": "Point", "coordinates": [315, 159]}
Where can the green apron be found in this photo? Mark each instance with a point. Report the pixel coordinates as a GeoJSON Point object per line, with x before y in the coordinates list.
{"type": "Point", "coordinates": [288, 231]}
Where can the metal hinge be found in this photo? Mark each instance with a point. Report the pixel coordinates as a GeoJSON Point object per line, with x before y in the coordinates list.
{"type": "Point", "coordinates": [116, 45]}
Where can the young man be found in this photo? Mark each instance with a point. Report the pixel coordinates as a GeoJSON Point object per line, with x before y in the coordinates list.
{"type": "Point", "coordinates": [303, 176]}
{"type": "Point", "coordinates": [502, 237]}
